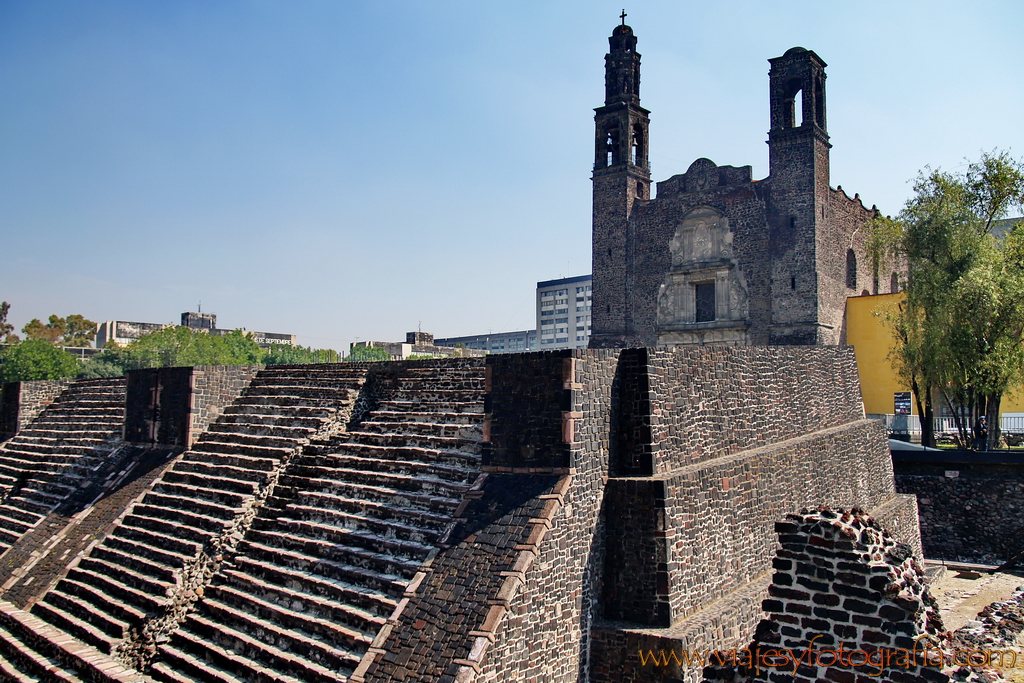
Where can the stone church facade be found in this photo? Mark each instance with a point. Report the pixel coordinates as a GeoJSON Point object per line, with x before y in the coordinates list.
{"type": "Point", "coordinates": [718, 257]}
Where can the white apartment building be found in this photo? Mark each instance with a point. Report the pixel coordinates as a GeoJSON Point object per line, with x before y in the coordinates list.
{"type": "Point", "coordinates": [563, 313]}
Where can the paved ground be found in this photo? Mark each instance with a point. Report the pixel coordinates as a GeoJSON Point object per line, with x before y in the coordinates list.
{"type": "Point", "coordinates": [961, 594]}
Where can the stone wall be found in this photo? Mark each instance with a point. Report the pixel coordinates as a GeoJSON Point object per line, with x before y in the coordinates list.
{"type": "Point", "coordinates": [22, 402]}
{"type": "Point", "coordinates": [547, 634]}
{"type": "Point", "coordinates": [972, 504]}
{"type": "Point", "coordinates": [680, 541]}
{"type": "Point", "coordinates": [213, 389]}
{"type": "Point", "coordinates": [173, 406]}
{"type": "Point", "coordinates": [707, 402]}
{"type": "Point", "coordinates": [847, 602]}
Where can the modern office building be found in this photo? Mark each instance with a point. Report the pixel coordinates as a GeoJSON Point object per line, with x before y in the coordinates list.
{"type": "Point", "coordinates": [502, 342]}
{"type": "Point", "coordinates": [123, 332]}
{"type": "Point", "coordinates": [563, 313]}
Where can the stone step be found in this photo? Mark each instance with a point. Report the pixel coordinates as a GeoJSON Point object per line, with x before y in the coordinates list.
{"type": "Point", "coordinates": [213, 478]}
{"type": "Point", "coordinates": [185, 528]}
{"type": "Point", "coordinates": [291, 620]}
{"type": "Point", "coordinates": [138, 564]}
{"type": "Point", "coordinates": [316, 581]}
{"type": "Point", "coordinates": [242, 462]}
{"type": "Point", "coordinates": [46, 450]}
{"type": "Point", "coordinates": [109, 602]}
{"type": "Point", "coordinates": [291, 432]}
{"type": "Point", "coordinates": [245, 421]}
{"type": "Point", "coordinates": [416, 413]}
{"type": "Point", "coordinates": [12, 524]}
{"type": "Point", "coordinates": [341, 494]}
{"type": "Point", "coordinates": [278, 402]}
{"type": "Point", "coordinates": [20, 514]}
{"type": "Point", "coordinates": [340, 478]}
{"type": "Point", "coordinates": [214, 470]}
{"type": "Point", "coordinates": [107, 418]}
{"type": "Point", "coordinates": [228, 448]}
{"type": "Point", "coordinates": [256, 649]}
{"type": "Point", "coordinates": [243, 438]}
{"type": "Point", "coordinates": [105, 577]}
{"type": "Point", "coordinates": [417, 457]}
{"type": "Point", "coordinates": [8, 538]}
{"type": "Point", "coordinates": [357, 540]}
{"type": "Point", "coordinates": [381, 519]}
{"type": "Point", "coordinates": [28, 503]}
{"type": "Point", "coordinates": [21, 663]}
{"type": "Point", "coordinates": [140, 549]}
{"type": "Point", "coordinates": [450, 468]}
{"type": "Point", "coordinates": [319, 391]}
{"type": "Point", "coordinates": [431, 393]}
{"type": "Point", "coordinates": [294, 558]}
{"type": "Point", "coordinates": [35, 499]}
{"type": "Point", "coordinates": [206, 495]}
{"type": "Point", "coordinates": [399, 439]}
{"type": "Point", "coordinates": [178, 666]}
{"type": "Point", "coordinates": [380, 565]}
{"type": "Point", "coordinates": [255, 411]}
{"type": "Point", "coordinates": [74, 626]}
{"type": "Point", "coordinates": [364, 621]}
{"type": "Point", "coordinates": [470, 430]}
{"type": "Point", "coordinates": [115, 629]}
{"type": "Point", "coordinates": [201, 507]}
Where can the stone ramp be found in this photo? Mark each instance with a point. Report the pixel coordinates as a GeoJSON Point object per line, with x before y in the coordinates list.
{"type": "Point", "coordinates": [169, 542]}
{"type": "Point", "coordinates": [58, 453]}
{"type": "Point", "coordinates": [328, 559]}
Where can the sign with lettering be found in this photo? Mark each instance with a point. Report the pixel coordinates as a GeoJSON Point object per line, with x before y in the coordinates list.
{"type": "Point", "coordinates": [901, 403]}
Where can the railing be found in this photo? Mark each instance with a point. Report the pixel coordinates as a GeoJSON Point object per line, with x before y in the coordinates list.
{"type": "Point", "coordinates": [911, 424]}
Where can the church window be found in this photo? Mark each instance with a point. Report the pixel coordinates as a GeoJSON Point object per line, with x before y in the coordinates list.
{"type": "Point", "coordinates": [611, 147]}
{"type": "Point", "coordinates": [792, 104]}
{"type": "Point", "coordinates": [819, 102]}
{"type": "Point", "coordinates": [636, 147]}
{"type": "Point", "coordinates": [705, 295]}
{"type": "Point", "coordinates": [851, 269]}
{"type": "Point", "coordinates": [792, 283]}
{"type": "Point", "coordinates": [894, 283]}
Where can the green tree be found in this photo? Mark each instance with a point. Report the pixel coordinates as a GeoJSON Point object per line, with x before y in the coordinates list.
{"type": "Point", "coordinates": [360, 354]}
{"type": "Point", "coordinates": [242, 349]}
{"type": "Point", "coordinates": [50, 332]}
{"type": "Point", "coordinates": [181, 346]}
{"type": "Point", "coordinates": [35, 359]}
{"type": "Point", "coordinates": [959, 331]}
{"type": "Point", "coordinates": [78, 331]}
{"type": "Point", "coordinates": [6, 329]}
{"type": "Point", "coordinates": [286, 353]}
{"type": "Point", "coordinates": [74, 330]}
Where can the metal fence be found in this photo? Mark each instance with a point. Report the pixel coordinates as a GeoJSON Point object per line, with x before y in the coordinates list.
{"type": "Point", "coordinates": [911, 424]}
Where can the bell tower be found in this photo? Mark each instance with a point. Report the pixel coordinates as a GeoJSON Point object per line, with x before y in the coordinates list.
{"type": "Point", "coordinates": [621, 176]}
{"type": "Point", "coordinates": [798, 159]}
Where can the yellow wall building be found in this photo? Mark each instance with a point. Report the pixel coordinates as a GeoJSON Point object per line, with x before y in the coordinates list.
{"type": "Point", "coordinates": [870, 336]}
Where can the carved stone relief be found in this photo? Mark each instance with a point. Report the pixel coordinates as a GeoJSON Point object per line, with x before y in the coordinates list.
{"type": "Point", "coordinates": [702, 253]}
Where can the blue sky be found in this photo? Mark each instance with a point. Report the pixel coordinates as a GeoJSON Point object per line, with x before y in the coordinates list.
{"type": "Point", "coordinates": [350, 170]}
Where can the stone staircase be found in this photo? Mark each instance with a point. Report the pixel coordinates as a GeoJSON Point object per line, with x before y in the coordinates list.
{"type": "Point", "coordinates": [153, 562]}
{"type": "Point", "coordinates": [329, 556]}
{"type": "Point", "coordinates": [57, 453]}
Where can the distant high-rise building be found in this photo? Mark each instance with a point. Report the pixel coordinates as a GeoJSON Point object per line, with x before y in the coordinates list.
{"type": "Point", "coordinates": [502, 342]}
{"type": "Point", "coordinates": [563, 313]}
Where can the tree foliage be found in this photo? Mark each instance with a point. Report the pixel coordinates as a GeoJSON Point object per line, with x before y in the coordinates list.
{"type": "Point", "coordinates": [286, 353]}
{"type": "Point", "coordinates": [35, 359]}
{"type": "Point", "coordinates": [367, 353]}
{"type": "Point", "coordinates": [6, 329]}
{"type": "Point", "coordinates": [73, 330]}
{"type": "Point", "coordinates": [959, 331]}
{"type": "Point", "coordinates": [182, 346]}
